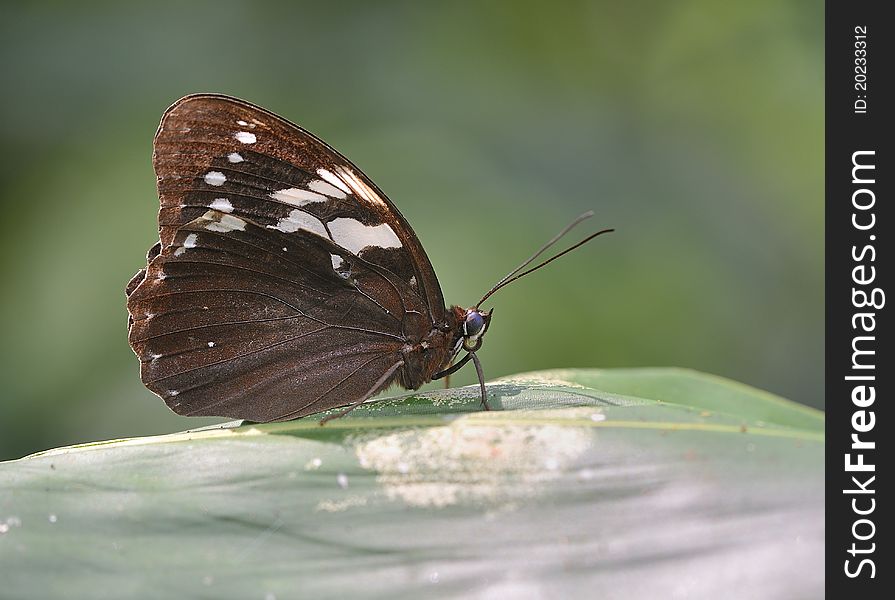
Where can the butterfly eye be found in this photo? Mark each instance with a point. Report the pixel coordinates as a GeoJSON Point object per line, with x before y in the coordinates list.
{"type": "Point", "coordinates": [474, 324]}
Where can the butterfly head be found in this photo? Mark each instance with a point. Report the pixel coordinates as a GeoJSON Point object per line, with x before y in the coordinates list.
{"type": "Point", "coordinates": [475, 324]}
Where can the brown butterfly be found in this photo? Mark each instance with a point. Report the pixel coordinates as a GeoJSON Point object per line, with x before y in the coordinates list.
{"type": "Point", "coordinates": [284, 281]}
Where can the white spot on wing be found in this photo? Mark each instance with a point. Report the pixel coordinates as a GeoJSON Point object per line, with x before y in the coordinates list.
{"type": "Point", "coordinates": [190, 240]}
{"type": "Point", "coordinates": [243, 123]}
{"type": "Point", "coordinates": [298, 219]}
{"type": "Point", "coordinates": [325, 188]}
{"type": "Point", "coordinates": [334, 180]}
{"type": "Point", "coordinates": [360, 188]}
{"type": "Point", "coordinates": [337, 260]}
{"type": "Point", "coordinates": [211, 344]}
{"type": "Point", "coordinates": [353, 235]}
{"type": "Point", "coordinates": [235, 157]}
{"type": "Point", "coordinates": [223, 223]}
{"type": "Point", "coordinates": [179, 251]}
{"type": "Point", "coordinates": [215, 178]}
{"type": "Point", "coordinates": [297, 197]}
{"type": "Point", "coordinates": [245, 137]}
{"type": "Point", "coordinates": [221, 204]}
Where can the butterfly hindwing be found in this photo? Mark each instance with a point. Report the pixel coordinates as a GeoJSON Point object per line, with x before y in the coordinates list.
{"type": "Point", "coordinates": [234, 319]}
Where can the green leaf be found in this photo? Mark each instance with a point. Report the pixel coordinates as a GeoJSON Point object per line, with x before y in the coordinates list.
{"type": "Point", "coordinates": [643, 483]}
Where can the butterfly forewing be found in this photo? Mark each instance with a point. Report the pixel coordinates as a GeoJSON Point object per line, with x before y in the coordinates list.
{"type": "Point", "coordinates": [284, 283]}
{"type": "Point", "coordinates": [219, 151]}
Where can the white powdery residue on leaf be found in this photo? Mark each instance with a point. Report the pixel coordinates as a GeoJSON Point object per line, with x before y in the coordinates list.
{"type": "Point", "coordinates": [542, 379]}
{"type": "Point", "coordinates": [582, 414]}
{"type": "Point", "coordinates": [340, 505]}
{"type": "Point", "coordinates": [470, 461]}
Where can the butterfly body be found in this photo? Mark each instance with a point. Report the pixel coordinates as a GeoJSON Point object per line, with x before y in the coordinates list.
{"type": "Point", "coordinates": [284, 281]}
{"type": "Point", "coordinates": [431, 353]}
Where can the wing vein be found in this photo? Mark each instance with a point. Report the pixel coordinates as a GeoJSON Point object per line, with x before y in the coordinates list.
{"type": "Point", "coordinates": [237, 357]}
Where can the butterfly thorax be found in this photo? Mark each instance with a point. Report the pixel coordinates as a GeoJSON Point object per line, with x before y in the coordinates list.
{"type": "Point", "coordinates": [434, 351]}
{"type": "Point", "coordinates": [461, 328]}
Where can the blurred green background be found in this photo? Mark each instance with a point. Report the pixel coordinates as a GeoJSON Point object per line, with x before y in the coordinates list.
{"type": "Point", "coordinates": [695, 128]}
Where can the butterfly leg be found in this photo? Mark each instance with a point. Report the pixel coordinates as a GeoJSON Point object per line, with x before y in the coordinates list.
{"type": "Point", "coordinates": [379, 383]}
{"type": "Point", "coordinates": [453, 368]}
{"type": "Point", "coordinates": [478, 370]}
{"type": "Point", "coordinates": [447, 379]}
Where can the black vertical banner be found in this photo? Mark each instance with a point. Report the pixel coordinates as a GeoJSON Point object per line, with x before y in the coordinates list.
{"type": "Point", "coordinates": [860, 373]}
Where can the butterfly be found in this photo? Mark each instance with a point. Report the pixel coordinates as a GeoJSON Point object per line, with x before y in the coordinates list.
{"type": "Point", "coordinates": [284, 281]}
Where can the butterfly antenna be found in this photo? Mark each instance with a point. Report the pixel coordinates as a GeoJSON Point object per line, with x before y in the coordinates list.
{"type": "Point", "coordinates": [544, 248]}
{"type": "Point", "coordinates": [513, 276]}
